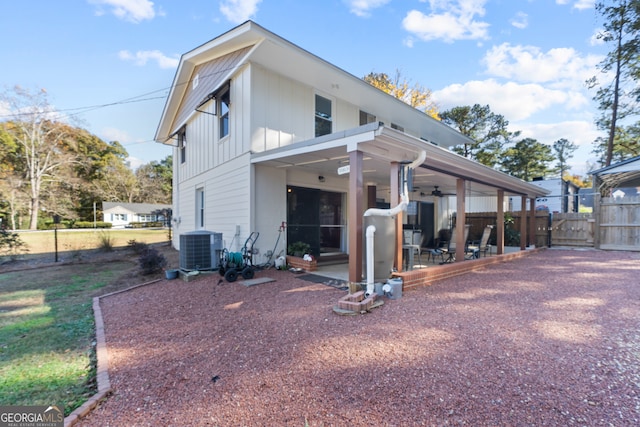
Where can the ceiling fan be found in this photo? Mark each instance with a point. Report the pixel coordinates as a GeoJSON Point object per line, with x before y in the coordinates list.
{"type": "Point", "coordinates": [437, 193]}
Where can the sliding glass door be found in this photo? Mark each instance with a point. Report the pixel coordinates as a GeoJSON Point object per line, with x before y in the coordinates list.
{"type": "Point", "coordinates": [316, 217]}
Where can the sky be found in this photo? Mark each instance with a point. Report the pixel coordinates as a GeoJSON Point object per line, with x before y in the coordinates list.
{"type": "Point", "coordinates": [107, 65]}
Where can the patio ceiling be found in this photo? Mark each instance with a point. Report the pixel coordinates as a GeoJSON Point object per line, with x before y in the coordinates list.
{"type": "Point", "coordinates": [381, 146]}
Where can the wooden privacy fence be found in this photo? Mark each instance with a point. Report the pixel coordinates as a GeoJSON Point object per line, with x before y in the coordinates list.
{"type": "Point", "coordinates": [478, 220]}
{"type": "Point", "coordinates": [618, 223]}
{"type": "Point", "coordinates": [572, 229]}
{"type": "Point", "coordinates": [614, 225]}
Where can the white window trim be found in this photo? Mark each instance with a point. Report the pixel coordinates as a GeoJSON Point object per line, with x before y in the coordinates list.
{"type": "Point", "coordinates": [333, 110]}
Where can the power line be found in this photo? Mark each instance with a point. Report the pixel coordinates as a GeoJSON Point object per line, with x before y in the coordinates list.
{"type": "Point", "coordinates": [130, 100]}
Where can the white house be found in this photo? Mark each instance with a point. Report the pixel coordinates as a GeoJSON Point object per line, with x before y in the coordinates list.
{"type": "Point", "coordinates": [265, 133]}
{"type": "Point", "coordinates": [122, 215]}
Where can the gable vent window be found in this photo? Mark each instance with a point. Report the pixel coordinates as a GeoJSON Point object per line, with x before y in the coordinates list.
{"type": "Point", "coordinates": [323, 116]}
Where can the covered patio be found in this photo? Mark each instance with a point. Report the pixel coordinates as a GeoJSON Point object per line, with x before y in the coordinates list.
{"type": "Point", "coordinates": [371, 157]}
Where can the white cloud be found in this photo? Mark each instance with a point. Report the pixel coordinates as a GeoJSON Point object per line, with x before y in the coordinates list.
{"type": "Point", "coordinates": [129, 10]}
{"type": "Point", "coordinates": [578, 4]}
{"type": "Point", "coordinates": [449, 20]}
{"type": "Point", "coordinates": [113, 134]}
{"type": "Point", "coordinates": [560, 67]}
{"type": "Point", "coordinates": [141, 58]}
{"type": "Point", "coordinates": [363, 8]}
{"type": "Point", "coordinates": [520, 21]}
{"type": "Point", "coordinates": [135, 163]}
{"type": "Point", "coordinates": [580, 132]}
{"type": "Point", "coordinates": [238, 11]}
{"type": "Point", "coordinates": [512, 100]}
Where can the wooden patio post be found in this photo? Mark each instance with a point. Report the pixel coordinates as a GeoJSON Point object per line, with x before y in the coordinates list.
{"type": "Point", "coordinates": [523, 223]}
{"type": "Point", "coordinates": [461, 219]}
{"type": "Point", "coordinates": [533, 223]}
{"type": "Point", "coordinates": [500, 224]}
{"type": "Point", "coordinates": [355, 216]}
{"type": "Point", "coordinates": [394, 182]}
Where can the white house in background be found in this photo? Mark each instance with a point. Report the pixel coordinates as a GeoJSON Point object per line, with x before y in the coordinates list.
{"type": "Point", "coordinates": [121, 215]}
{"type": "Point", "coordinates": [266, 133]}
{"type": "Point", "coordinates": [563, 196]}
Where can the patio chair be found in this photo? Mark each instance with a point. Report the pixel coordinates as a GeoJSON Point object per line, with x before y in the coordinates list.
{"type": "Point", "coordinates": [483, 245]}
{"type": "Point", "coordinates": [450, 252]}
{"type": "Point", "coordinates": [409, 245]}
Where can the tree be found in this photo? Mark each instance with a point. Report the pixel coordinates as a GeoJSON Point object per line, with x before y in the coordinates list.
{"type": "Point", "coordinates": [527, 159]}
{"type": "Point", "coordinates": [155, 181]}
{"type": "Point", "coordinates": [417, 96]}
{"type": "Point", "coordinates": [44, 143]}
{"type": "Point", "coordinates": [563, 148]}
{"type": "Point", "coordinates": [487, 131]}
{"type": "Point", "coordinates": [622, 30]}
{"type": "Point", "coordinates": [625, 144]}
{"type": "Point", "coordinates": [11, 180]}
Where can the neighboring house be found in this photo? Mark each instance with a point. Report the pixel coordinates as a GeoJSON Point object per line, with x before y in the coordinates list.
{"type": "Point", "coordinates": [123, 214]}
{"type": "Point", "coordinates": [563, 197]}
{"type": "Point", "coordinates": [265, 132]}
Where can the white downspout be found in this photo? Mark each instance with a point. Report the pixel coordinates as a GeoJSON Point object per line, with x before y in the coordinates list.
{"type": "Point", "coordinates": [402, 206]}
{"type": "Point", "coordinates": [370, 233]}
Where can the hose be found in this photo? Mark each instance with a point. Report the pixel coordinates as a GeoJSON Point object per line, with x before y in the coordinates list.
{"type": "Point", "coordinates": [267, 264]}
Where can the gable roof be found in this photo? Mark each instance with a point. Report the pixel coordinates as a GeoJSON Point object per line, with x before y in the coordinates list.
{"type": "Point", "coordinates": [622, 174]}
{"type": "Point", "coordinates": [138, 208]}
{"type": "Point", "coordinates": [260, 46]}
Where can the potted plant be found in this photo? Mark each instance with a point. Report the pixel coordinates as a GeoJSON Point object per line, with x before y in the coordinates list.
{"type": "Point", "coordinates": [298, 249]}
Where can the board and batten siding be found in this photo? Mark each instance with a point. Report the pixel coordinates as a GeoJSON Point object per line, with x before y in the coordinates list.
{"type": "Point", "coordinates": [283, 111]}
{"type": "Point", "coordinates": [209, 76]}
{"type": "Point", "coordinates": [280, 110]}
{"type": "Point", "coordinates": [204, 149]}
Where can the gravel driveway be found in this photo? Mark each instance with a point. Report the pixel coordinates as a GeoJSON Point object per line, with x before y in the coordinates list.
{"type": "Point", "coordinates": [549, 339]}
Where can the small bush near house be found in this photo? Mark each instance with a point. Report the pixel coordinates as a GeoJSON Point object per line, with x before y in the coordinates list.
{"type": "Point", "coordinates": [137, 247]}
{"type": "Point", "coordinates": [151, 261]}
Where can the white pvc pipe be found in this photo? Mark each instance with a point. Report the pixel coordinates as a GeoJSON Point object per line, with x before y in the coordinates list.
{"type": "Point", "coordinates": [370, 233]}
{"type": "Point", "coordinates": [402, 206]}
{"type": "Point", "coordinates": [404, 197]}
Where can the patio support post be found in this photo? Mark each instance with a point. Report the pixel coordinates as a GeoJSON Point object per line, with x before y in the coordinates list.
{"type": "Point", "coordinates": [355, 216]}
{"type": "Point", "coordinates": [532, 223]}
{"type": "Point", "coordinates": [523, 223]}
{"type": "Point", "coordinates": [461, 219]}
{"type": "Point", "coordinates": [394, 180]}
{"type": "Point", "coordinates": [500, 224]}
{"type": "Point", "coordinates": [596, 210]}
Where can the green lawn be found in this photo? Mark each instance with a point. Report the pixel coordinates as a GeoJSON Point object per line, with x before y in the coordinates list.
{"type": "Point", "coordinates": [47, 333]}
{"type": "Point", "coordinates": [39, 242]}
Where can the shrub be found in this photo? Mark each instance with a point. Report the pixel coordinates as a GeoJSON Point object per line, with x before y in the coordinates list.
{"type": "Point", "coordinates": [90, 224]}
{"type": "Point", "coordinates": [106, 241]}
{"type": "Point", "coordinates": [151, 261]}
{"type": "Point", "coordinates": [137, 247]}
{"type": "Point", "coordinates": [298, 248]}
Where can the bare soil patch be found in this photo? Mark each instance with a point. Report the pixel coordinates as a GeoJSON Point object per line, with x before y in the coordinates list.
{"type": "Point", "coordinates": [67, 260]}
